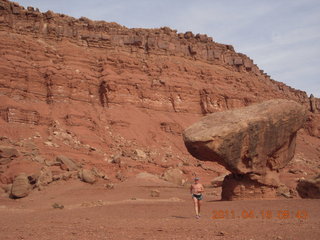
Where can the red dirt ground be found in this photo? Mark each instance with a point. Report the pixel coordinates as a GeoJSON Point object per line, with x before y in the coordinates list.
{"type": "Point", "coordinates": [129, 212]}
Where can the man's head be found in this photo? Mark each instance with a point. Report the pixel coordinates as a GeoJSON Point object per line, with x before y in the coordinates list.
{"type": "Point", "coordinates": [196, 179]}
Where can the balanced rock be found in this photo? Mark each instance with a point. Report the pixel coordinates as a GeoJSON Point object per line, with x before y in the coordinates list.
{"type": "Point", "coordinates": [254, 141]}
{"type": "Point", "coordinates": [21, 186]}
{"type": "Point", "coordinates": [309, 188]}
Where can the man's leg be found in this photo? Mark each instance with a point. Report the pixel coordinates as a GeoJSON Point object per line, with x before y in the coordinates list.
{"type": "Point", "coordinates": [195, 202]}
{"type": "Point", "coordinates": [199, 205]}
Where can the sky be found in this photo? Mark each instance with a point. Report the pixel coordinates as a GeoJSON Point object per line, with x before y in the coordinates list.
{"type": "Point", "coordinates": [281, 36]}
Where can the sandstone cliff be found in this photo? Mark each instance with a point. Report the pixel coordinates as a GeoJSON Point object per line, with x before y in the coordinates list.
{"type": "Point", "coordinates": [99, 92]}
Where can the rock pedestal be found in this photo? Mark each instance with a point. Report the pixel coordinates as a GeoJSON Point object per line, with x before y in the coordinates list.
{"type": "Point", "coordinates": [252, 143]}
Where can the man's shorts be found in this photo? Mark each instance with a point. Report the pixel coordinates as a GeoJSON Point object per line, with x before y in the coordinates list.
{"type": "Point", "coordinates": [197, 196]}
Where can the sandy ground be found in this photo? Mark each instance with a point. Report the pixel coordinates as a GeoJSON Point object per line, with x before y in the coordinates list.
{"type": "Point", "coordinates": [129, 212]}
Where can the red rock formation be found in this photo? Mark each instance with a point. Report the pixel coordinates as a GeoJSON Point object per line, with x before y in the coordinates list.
{"type": "Point", "coordinates": [253, 143]}
{"type": "Point", "coordinates": [150, 68]}
{"type": "Point", "coordinates": [158, 82]}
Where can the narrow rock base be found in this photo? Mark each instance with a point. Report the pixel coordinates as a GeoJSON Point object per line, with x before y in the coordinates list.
{"type": "Point", "coordinates": [241, 187]}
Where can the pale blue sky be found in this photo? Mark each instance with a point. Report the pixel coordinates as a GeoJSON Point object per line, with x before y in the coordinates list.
{"type": "Point", "coordinates": [281, 36]}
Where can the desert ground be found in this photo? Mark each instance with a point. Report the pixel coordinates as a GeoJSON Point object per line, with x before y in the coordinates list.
{"type": "Point", "coordinates": [129, 212]}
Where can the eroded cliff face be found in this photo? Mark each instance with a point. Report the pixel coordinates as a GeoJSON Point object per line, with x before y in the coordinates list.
{"type": "Point", "coordinates": [98, 91]}
{"type": "Point", "coordinates": [155, 69]}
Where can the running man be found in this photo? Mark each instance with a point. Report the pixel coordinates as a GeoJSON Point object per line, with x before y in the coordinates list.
{"type": "Point", "coordinates": [196, 189]}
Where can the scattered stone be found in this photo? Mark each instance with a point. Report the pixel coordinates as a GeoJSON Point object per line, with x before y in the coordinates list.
{"type": "Point", "coordinates": [140, 154]}
{"type": "Point", "coordinates": [109, 186]}
{"type": "Point", "coordinates": [39, 159]}
{"type": "Point", "coordinates": [309, 188]}
{"type": "Point", "coordinates": [120, 176]}
{"type": "Point", "coordinates": [284, 191]}
{"type": "Point", "coordinates": [52, 163]}
{"type": "Point", "coordinates": [99, 173]}
{"type": "Point", "coordinates": [155, 193]}
{"type": "Point", "coordinates": [51, 144]}
{"type": "Point", "coordinates": [45, 177]}
{"type": "Point", "coordinates": [56, 177]}
{"type": "Point", "coordinates": [87, 176]}
{"type": "Point", "coordinates": [57, 206]}
{"type": "Point", "coordinates": [92, 149]}
{"type": "Point", "coordinates": [67, 164]}
{"type": "Point", "coordinates": [98, 203]}
{"type": "Point", "coordinates": [37, 135]}
{"type": "Point", "coordinates": [7, 154]}
{"type": "Point", "coordinates": [67, 175]}
{"type": "Point", "coordinates": [221, 233]}
{"type": "Point", "coordinates": [30, 146]}
{"type": "Point", "coordinates": [21, 186]}
{"type": "Point", "coordinates": [295, 171]}
{"type": "Point", "coordinates": [116, 159]}
{"type": "Point", "coordinates": [174, 175]}
{"type": "Point", "coordinates": [105, 177]}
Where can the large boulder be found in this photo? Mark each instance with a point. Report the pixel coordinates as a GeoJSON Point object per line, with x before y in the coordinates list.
{"type": "Point", "coordinates": [309, 188]}
{"type": "Point", "coordinates": [21, 186]}
{"type": "Point", "coordinates": [254, 141]}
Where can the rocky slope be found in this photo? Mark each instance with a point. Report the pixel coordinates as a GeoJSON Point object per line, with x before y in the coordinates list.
{"type": "Point", "coordinates": [116, 99]}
